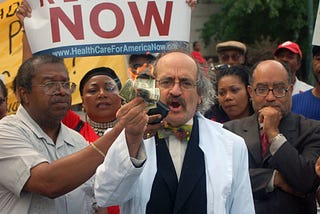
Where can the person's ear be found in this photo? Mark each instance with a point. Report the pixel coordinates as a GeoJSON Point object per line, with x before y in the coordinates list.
{"type": "Point", "coordinates": [250, 91]}
{"type": "Point", "coordinates": [291, 89]}
{"type": "Point", "coordinates": [23, 95]}
{"type": "Point", "coordinates": [83, 105]}
{"type": "Point", "coordinates": [199, 100]}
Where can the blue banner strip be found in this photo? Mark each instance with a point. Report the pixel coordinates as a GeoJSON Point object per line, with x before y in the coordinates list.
{"type": "Point", "coordinates": [116, 48]}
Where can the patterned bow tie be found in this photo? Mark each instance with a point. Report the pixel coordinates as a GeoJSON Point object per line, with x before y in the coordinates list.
{"type": "Point", "coordinates": [182, 132]}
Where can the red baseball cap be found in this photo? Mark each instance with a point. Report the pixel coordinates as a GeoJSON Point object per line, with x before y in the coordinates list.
{"type": "Point", "coordinates": [291, 46]}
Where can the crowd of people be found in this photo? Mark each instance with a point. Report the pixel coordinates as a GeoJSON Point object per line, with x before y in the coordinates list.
{"type": "Point", "coordinates": [237, 139]}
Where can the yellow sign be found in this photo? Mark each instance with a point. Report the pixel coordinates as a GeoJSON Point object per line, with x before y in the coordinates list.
{"type": "Point", "coordinates": [11, 55]}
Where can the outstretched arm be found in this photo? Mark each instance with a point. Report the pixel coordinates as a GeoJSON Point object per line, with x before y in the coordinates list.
{"type": "Point", "coordinates": [63, 175]}
{"type": "Point", "coordinates": [24, 10]}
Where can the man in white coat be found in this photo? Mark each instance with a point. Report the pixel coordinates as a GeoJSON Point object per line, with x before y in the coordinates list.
{"type": "Point", "coordinates": [174, 172]}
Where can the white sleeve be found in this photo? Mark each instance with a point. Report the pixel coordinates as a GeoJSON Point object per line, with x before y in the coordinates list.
{"type": "Point", "coordinates": [116, 176]}
{"type": "Point", "coordinates": [241, 200]}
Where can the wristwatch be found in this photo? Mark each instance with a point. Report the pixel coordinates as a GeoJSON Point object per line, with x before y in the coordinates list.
{"type": "Point", "coordinates": [279, 138]}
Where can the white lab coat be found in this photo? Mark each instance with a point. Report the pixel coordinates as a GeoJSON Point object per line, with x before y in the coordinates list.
{"type": "Point", "coordinates": [118, 182]}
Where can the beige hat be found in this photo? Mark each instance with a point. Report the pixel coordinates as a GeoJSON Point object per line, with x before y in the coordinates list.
{"type": "Point", "coordinates": [231, 45]}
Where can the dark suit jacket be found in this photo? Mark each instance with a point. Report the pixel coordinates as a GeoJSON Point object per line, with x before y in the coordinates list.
{"type": "Point", "coordinates": [295, 160]}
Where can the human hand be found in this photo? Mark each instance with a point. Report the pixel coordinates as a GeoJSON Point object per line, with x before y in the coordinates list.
{"type": "Point", "coordinates": [317, 167]}
{"type": "Point", "coordinates": [24, 10]}
{"type": "Point", "coordinates": [270, 118]}
{"type": "Point", "coordinates": [132, 116]}
{"type": "Point", "coordinates": [153, 128]}
{"type": "Point", "coordinates": [281, 183]}
{"type": "Point", "coordinates": [192, 3]}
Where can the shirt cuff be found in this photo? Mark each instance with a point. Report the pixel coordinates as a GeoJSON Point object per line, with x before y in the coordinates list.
{"type": "Point", "coordinates": [277, 142]}
{"type": "Point", "coordinates": [141, 158]}
{"type": "Point", "coordinates": [270, 186]}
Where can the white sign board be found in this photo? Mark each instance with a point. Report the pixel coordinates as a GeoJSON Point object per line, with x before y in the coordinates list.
{"type": "Point", "coordinates": [72, 28]}
{"type": "Point", "coordinates": [316, 32]}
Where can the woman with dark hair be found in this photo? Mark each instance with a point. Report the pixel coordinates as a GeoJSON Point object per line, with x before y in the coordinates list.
{"type": "Point", "coordinates": [232, 101]}
{"type": "Point", "coordinates": [99, 90]}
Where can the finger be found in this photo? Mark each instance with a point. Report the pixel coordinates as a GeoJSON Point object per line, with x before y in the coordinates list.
{"type": "Point", "coordinates": [192, 3]}
{"type": "Point", "coordinates": [137, 126]}
{"type": "Point", "coordinates": [154, 117]}
{"type": "Point", "coordinates": [260, 117]}
{"type": "Point", "coordinates": [152, 129]}
{"type": "Point", "coordinates": [21, 14]}
{"type": "Point", "coordinates": [133, 113]}
{"type": "Point", "coordinates": [24, 9]}
{"type": "Point", "coordinates": [27, 5]}
{"type": "Point", "coordinates": [137, 118]}
{"type": "Point", "coordinates": [128, 106]}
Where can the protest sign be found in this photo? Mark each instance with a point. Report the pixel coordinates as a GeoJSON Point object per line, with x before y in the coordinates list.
{"type": "Point", "coordinates": [316, 32]}
{"type": "Point", "coordinates": [11, 55]}
{"type": "Point", "coordinates": [69, 28]}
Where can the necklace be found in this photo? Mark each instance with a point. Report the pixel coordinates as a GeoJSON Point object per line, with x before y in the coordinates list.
{"type": "Point", "coordinates": [100, 128]}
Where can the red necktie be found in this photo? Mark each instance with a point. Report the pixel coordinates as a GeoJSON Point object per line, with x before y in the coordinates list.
{"type": "Point", "coordinates": [264, 143]}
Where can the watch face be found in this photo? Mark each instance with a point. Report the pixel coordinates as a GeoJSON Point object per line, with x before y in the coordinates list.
{"type": "Point", "coordinates": [278, 138]}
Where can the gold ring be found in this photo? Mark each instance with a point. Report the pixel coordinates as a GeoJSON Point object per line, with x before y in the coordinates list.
{"type": "Point", "coordinates": [18, 10]}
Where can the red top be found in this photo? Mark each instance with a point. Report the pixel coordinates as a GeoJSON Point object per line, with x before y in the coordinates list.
{"type": "Point", "coordinates": [198, 57]}
{"type": "Point", "coordinates": [72, 120]}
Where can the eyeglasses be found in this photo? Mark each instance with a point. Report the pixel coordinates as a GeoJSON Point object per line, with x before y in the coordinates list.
{"type": "Point", "coordinates": [234, 57]}
{"type": "Point", "coordinates": [52, 88]}
{"type": "Point", "coordinates": [277, 92]}
{"type": "Point", "coordinates": [2, 100]}
{"type": "Point", "coordinates": [109, 87]}
{"type": "Point", "coordinates": [169, 83]}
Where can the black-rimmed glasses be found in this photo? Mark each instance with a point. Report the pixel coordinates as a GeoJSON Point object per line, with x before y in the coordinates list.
{"type": "Point", "coordinates": [277, 92]}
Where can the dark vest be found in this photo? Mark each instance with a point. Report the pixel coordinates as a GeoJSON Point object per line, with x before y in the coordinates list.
{"type": "Point", "coordinates": [188, 196]}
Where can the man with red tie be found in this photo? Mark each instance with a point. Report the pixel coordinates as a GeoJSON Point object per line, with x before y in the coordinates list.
{"type": "Point", "coordinates": [198, 167]}
{"type": "Point", "coordinates": [283, 178]}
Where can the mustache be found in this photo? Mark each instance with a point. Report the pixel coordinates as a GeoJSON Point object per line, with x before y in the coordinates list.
{"type": "Point", "coordinates": [61, 100]}
{"type": "Point", "coordinates": [274, 105]}
{"type": "Point", "coordinates": [177, 99]}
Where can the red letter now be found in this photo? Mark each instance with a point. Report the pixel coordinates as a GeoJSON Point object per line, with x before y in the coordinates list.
{"type": "Point", "coordinates": [152, 11]}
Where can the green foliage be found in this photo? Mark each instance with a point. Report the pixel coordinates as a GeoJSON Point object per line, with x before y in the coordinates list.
{"type": "Point", "coordinates": [250, 20]}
